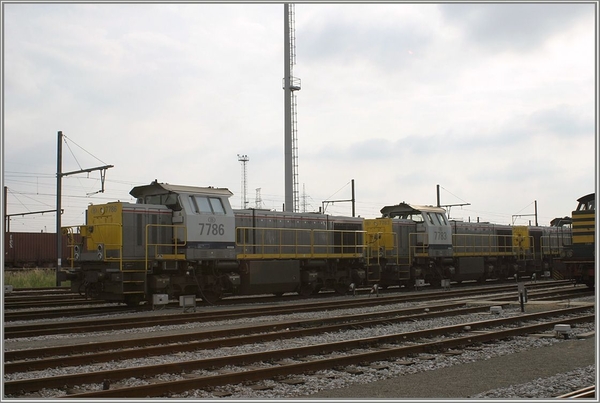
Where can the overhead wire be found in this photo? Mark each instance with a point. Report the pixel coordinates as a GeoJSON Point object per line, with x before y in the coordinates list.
{"type": "Point", "coordinates": [65, 137]}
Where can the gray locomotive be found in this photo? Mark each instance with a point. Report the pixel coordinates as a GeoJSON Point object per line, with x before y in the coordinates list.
{"type": "Point", "coordinates": [183, 240]}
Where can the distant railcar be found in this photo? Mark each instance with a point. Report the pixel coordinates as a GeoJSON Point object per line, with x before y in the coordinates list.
{"type": "Point", "coordinates": [32, 249]}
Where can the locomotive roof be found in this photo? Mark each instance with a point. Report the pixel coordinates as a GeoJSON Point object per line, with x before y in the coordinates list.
{"type": "Point", "coordinates": [587, 198]}
{"type": "Point", "coordinates": [161, 188]}
{"type": "Point", "coordinates": [410, 208]}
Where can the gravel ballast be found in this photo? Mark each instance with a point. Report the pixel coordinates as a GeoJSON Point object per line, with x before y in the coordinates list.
{"type": "Point", "coordinates": [521, 367]}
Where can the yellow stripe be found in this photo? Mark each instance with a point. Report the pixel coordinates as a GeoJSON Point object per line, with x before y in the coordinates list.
{"type": "Point", "coordinates": [464, 254]}
{"type": "Point", "coordinates": [298, 256]}
{"type": "Point", "coordinates": [584, 213]}
{"type": "Point", "coordinates": [580, 223]}
{"type": "Point", "coordinates": [171, 256]}
{"type": "Point", "coordinates": [583, 239]}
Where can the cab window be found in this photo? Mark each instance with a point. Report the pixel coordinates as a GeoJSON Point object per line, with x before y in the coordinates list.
{"type": "Point", "coordinates": [153, 199]}
{"type": "Point", "coordinates": [217, 205]}
{"type": "Point", "coordinates": [417, 217]}
{"type": "Point", "coordinates": [430, 219]}
{"type": "Point", "coordinates": [171, 200]}
{"type": "Point", "coordinates": [207, 205]}
{"type": "Point", "coordinates": [441, 218]}
{"type": "Point", "coordinates": [408, 216]}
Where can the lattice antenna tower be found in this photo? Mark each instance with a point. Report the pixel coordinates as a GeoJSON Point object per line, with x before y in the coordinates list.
{"type": "Point", "coordinates": [244, 159]}
{"type": "Point", "coordinates": [304, 197]}
{"type": "Point", "coordinates": [258, 200]}
{"type": "Point", "coordinates": [290, 85]}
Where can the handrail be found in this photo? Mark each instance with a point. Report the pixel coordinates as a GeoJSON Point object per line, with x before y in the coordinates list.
{"type": "Point", "coordinates": [299, 243]}
{"type": "Point", "coordinates": [68, 231]}
{"type": "Point", "coordinates": [552, 245]}
{"type": "Point", "coordinates": [97, 232]}
{"type": "Point", "coordinates": [377, 244]}
{"type": "Point", "coordinates": [176, 244]}
{"type": "Point", "coordinates": [490, 245]}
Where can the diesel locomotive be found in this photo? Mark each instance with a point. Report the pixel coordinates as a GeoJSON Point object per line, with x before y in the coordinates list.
{"type": "Point", "coordinates": [579, 257]}
{"type": "Point", "coordinates": [184, 240]}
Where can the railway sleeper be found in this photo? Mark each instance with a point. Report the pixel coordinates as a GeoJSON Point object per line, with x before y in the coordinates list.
{"type": "Point", "coordinates": [157, 390]}
{"type": "Point", "coordinates": [403, 351]}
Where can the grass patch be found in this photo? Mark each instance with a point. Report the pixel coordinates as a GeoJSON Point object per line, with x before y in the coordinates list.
{"type": "Point", "coordinates": [32, 278]}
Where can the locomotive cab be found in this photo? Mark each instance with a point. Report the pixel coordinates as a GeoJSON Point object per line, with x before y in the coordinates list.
{"type": "Point", "coordinates": [424, 242]}
{"type": "Point", "coordinates": [203, 220]}
{"type": "Point", "coordinates": [433, 235]}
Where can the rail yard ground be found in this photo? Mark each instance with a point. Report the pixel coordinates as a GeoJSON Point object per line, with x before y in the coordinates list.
{"type": "Point", "coordinates": [549, 365]}
{"type": "Point", "coordinates": [471, 379]}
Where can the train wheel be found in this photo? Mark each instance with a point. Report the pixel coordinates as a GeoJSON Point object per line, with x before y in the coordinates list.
{"type": "Point", "coordinates": [305, 290]}
{"type": "Point", "coordinates": [211, 297]}
{"type": "Point", "coordinates": [93, 290]}
{"type": "Point", "coordinates": [211, 294]}
{"type": "Point", "coordinates": [342, 286]}
{"type": "Point", "coordinates": [134, 299]}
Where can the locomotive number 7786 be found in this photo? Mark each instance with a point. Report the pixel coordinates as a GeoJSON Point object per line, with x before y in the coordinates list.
{"type": "Point", "coordinates": [440, 235]}
{"type": "Point", "coordinates": [212, 229]}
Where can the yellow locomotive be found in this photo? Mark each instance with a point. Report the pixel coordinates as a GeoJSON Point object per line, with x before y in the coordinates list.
{"type": "Point", "coordinates": [579, 258]}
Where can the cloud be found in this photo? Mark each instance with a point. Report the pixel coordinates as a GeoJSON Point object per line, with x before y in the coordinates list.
{"type": "Point", "coordinates": [497, 27]}
{"type": "Point", "coordinates": [176, 91]}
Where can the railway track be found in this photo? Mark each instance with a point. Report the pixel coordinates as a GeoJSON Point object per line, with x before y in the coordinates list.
{"type": "Point", "coordinates": [585, 393]}
{"type": "Point", "coordinates": [65, 313]}
{"type": "Point", "coordinates": [21, 360]}
{"type": "Point", "coordinates": [44, 297]}
{"type": "Point", "coordinates": [41, 290]}
{"type": "Point", "coordinates": [95, 325]}
{"type": "Point", "coordinates": [58, 297]}
{"type": "Point", "coordinates": [277, 363]}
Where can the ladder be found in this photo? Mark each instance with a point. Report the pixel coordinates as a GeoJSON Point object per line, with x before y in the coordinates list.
{"type": "Point", "coordinates": [134, 282]}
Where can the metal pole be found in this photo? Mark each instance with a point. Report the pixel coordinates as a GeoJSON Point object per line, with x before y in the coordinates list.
{"type": "Point", "coordinates": [58, 208]}
{"type": "Point", "coordinates": [5, 210]}
{"type": "Point", "coordinates": [353, 201]}
{"type": "Point", "coordinates": [536, 220]}
{"type": "Point", "coordinates": [438, 195]}
{"type": "Point", "coordinates": [288, 152]}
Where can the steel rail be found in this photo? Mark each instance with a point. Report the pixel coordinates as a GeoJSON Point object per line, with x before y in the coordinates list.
{"type": "Point", "coordinates": [63, 301]}
{"type": "Point", "coordinates": [32, 330]}
{"type": "Point", "coordinates": [67, 312]}
{"type": "Point", "coordinates": [587, 392]}
{"type": "Point", "coordinates": [14, 387]}
{"type": "Point", "coordinates": [166, 389]}
{"type": "Point", "coordinates": [152, 346]}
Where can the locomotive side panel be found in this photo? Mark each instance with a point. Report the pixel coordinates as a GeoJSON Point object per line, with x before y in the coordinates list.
{"type": "Point", "coordinates": [124, 231]}
{"type": "Point", "coordinates": [475, 239]}
{"type": "Point", "coordinates": [146, 229]}
{"type": "Point", "coordinates": [270, 277]}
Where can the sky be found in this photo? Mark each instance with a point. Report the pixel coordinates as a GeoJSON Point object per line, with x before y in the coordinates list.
{"type": "Point", "coordinates": [493, 102]}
